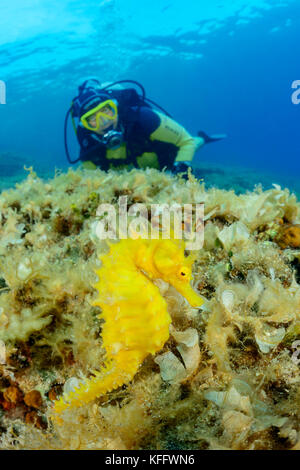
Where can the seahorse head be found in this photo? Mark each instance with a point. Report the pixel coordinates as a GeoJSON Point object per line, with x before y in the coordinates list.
{"type": "Point", "coordinates": [175, 268]}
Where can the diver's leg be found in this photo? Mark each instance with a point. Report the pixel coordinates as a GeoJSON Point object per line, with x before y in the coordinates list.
{"type": "Point", "coordinates": [199, 142]}
{"type": "Point", "coordinates": [207, 139]}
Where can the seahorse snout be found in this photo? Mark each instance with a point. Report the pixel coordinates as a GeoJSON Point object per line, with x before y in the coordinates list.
{"type": "Point", "coordinates": [186, 290]}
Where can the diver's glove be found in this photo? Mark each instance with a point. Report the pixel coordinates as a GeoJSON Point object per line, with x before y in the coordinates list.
{"type": "Point", "coordinates": [180, 167]}
{"type": "Point", "coordinates": [211, 138]}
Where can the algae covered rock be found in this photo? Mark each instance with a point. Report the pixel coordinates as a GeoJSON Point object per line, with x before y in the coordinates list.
{"type": "Point", "coordinates": [236, 383]}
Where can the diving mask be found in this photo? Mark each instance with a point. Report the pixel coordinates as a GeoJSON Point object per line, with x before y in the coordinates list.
{"type": "Point", "coordinates": [98, 117]}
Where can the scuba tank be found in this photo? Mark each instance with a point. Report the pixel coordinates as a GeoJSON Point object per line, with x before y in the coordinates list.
{"type": "Point", "coordinates": [126, 97]}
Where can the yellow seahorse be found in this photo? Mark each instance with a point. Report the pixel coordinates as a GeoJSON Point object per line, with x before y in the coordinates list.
{"type": "Point", "coordinates": [135, 313]}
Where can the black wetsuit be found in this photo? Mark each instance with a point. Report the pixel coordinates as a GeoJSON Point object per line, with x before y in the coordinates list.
{"type": "Point", "coordinates": [150, 139]}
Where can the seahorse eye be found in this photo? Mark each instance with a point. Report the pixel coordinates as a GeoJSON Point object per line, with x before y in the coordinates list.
{"type": "Point", "coordinates": [183, 272]}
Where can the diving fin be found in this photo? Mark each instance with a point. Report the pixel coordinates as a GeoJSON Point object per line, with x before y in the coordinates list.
{"type": "Point", "coordinates": [211, 138]}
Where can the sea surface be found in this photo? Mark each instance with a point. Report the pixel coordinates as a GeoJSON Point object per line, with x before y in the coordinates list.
{"type": "Point", "coordinates": [220, 66]}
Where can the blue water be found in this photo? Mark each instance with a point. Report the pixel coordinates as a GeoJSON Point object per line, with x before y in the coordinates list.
{"type": "Point", "coordinates": [221, 66]}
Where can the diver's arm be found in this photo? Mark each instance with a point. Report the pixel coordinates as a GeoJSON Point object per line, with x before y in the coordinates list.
{"type": "Point", "coordinates": [170, 131]}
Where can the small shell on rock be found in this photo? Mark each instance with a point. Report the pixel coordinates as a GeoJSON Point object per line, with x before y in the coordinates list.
{"type": "Point", "coordinates": [189, 349]}
{"type": "Point", "coordinates": [235, 234]}
{"type": "Point", "coordinates": [231, 399]}
{"type": "Point", "coordinates": [272, 274]}
{"type": "Point", "coordinates": [171, 369]}
{"type": "Point", "coordinates": [236, 422]}
{"type": "Point", "coordinates": [268, 338]}
{"type": "Point", "coordinates": [3, 318]}
{"type": "Point", "coordinates": [265, 421]}
{"type": "Point", "coordinates": [189, 337]}
{"type": "Point", "coordinates": [227, 299]}
{"type": "Point", "coordinates": [24, 269]}
{"type": "Point", "coordinates": [2, 352]}
{"type": "Point", "coordinates": [256, 287]}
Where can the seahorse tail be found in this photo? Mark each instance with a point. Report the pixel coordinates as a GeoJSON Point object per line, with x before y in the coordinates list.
{"type": "Point", "coordinates": [118, 372]}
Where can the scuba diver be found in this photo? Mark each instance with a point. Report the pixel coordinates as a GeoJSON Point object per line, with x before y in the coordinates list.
{"type": "Point", "coordinates": [117, 128]}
